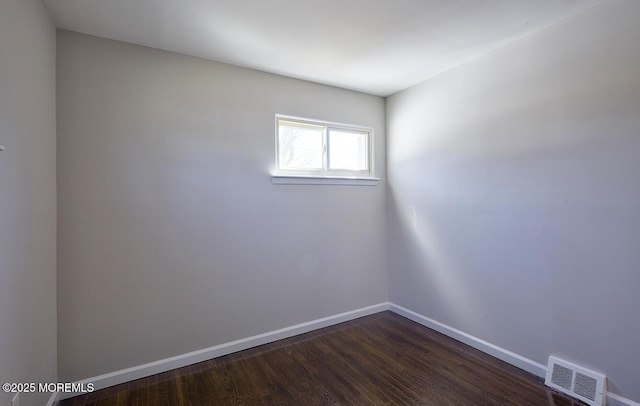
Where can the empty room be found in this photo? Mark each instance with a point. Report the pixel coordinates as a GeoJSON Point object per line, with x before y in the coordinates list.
{"type": "Point", "coordinates": [319, 202]}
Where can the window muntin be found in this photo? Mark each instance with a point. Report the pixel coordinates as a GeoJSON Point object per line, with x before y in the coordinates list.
{"type": "Point", "coordinates": [306, 147]}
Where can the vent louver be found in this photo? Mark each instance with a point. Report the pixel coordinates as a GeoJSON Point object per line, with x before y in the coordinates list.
{"type": "Point", "coordinates": [585, 386]}
{"type": "Point", "coordinates": [581, 383]}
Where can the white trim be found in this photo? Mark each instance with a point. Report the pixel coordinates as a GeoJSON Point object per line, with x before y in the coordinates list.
{"type": "Point", "coordinates": [167, 364]}
{"type": "Point", "coordinates": [484, 346]}
{"type": "Point", "coordinates": [617, 400]}
{"type": "Point", "coordinates": [325, 172]}
{"type": "Point", "coordinates": [323, 180]}
{"type": "Point", "coordinates": [53, 400]}
{"type": "Point", "coordinates": [505, 355]}
{"type": "Point", "coordinates": [152, 368]}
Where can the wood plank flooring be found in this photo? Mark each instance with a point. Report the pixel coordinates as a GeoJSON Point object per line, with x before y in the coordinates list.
{"type": "Point", "coordinates": [383, 359]}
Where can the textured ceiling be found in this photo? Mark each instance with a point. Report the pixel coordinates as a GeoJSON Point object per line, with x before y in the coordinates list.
{"type": "Point", "coordinates": [374, 46]}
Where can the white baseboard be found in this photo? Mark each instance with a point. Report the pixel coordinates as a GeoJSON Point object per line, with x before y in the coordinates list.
{"type": "Point", "coordinates": [493, 350]}
{"type": "Point", "coordinates": [484, 346]}
{"type": "Point", "coordinates": [167, 364]}
{"type": "Point", "coordinates": [617, 400]}
{"type": "Point", "coordinates": [152, 368]}
{"type": "Point", "coordinates": [53, 400]}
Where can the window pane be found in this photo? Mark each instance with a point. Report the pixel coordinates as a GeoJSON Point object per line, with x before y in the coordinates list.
{"type": "Point", "coordinates": [348, 150]}
{"type": "Point", "coordinates": [300, 146]}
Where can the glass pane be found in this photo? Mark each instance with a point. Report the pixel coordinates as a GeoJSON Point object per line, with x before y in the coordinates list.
{"type": "Point", "coordinates": [300, 146]}
{"type": "Point", "coordinates": [348, 150]}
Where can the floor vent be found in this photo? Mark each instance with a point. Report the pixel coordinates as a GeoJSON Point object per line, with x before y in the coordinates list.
{"type": "Point", "coordinates": [581, 383]}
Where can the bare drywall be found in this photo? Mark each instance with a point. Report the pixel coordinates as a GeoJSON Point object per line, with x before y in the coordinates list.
{"type": "Point", "coordinates": [172, 237]}
{"type": "Point", "coordinates": [514, 200]}
{"type": "Point", "coordinates": [27, 198]}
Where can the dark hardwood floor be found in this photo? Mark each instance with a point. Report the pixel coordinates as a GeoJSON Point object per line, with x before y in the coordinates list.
{"type": "Point", "coordinates": [383, 359]}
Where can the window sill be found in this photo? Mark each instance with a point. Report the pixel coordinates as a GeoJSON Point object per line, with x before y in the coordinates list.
{"type": "Point", "coordinates": [322, 180]}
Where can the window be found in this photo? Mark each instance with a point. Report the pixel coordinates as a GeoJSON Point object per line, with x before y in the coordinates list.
{"type": "Point", "coordinates": [318, 149]}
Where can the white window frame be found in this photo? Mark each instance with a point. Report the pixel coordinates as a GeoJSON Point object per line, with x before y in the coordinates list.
{"type": "Point", "coordinates": [325, 175]}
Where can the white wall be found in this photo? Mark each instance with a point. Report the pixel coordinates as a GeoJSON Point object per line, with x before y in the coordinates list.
{"type": "Point", "coordinates": [172, 236]}
{"type": "Point", "coordinates": [514, 195]}
{"type": "Point", "coordinates": [27, 197]}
